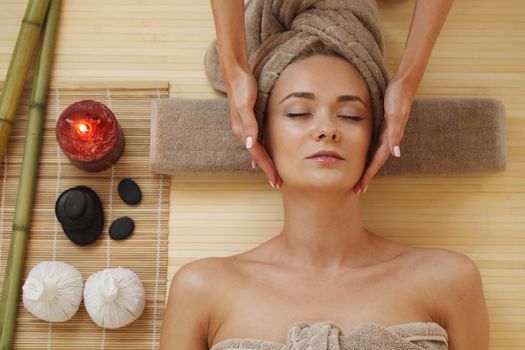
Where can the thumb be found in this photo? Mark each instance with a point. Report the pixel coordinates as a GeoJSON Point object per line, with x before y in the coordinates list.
{"type": "Point", "coordinates": [251, 128]}
{"type": "Point", "coordinates": [394, 135]}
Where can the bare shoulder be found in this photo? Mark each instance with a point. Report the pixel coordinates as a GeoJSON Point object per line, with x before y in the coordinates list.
{"type": "Point", "coordinates": [445, 270]}
{"type": "Point", "coordinates": [197, 274]}
{"type": "Point", "coordinates": [443, 263]}
{"type": "Point", "coordinates": [201, 278]}
{"type": "Point", "coordinates": [190, 302]}
{"type": "Point", "coordinates": [456, 288]}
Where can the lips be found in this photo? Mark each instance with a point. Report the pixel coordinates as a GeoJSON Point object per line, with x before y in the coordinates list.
{"type": "Point", "coordinates": [326, 153]}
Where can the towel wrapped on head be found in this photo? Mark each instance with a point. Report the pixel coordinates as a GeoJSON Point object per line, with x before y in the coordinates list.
{"type": "Point", "coordinates": [277, 31]}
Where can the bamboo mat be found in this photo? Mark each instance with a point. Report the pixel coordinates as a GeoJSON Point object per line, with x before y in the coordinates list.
{"type": "Point", "coordinates": [144, 252]}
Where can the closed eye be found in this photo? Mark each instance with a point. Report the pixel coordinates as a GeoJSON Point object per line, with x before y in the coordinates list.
{"type": "Point", "coordinates": [297, 114]}
{"type": "Point", "coordinates": [352, 117]}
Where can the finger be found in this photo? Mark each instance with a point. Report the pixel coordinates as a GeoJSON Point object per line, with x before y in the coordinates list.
{"type": "Point", "coordinates": [266, 164]}
{"type": "Point", "coordinates": [378, 160]}
{"type": "Point", "coordinates": [250, 126]}
{"type": "Point", "coordinates": [394, 133]}
{"type": "Point", "coordinates": [263, 161]}
{"type": "Point", "coordinates": [257, 152]}
{"type": "Point", "coordinates": [357, 187]}
{"type": "Point", "coordinates": [246, 130]}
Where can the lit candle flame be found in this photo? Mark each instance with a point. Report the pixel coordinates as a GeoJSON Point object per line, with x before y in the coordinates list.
{"type": "Point", "coordinates": [84, 128]}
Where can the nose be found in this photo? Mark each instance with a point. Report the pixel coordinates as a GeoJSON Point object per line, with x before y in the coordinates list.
{"type": "Point", "coordinates": [326, 128]}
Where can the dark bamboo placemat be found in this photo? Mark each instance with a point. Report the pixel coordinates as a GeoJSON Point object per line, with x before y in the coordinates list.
{"type": "Point", "coordinates": [145, 252]}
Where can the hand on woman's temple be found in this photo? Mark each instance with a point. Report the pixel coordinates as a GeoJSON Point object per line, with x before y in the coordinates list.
{"type": "Point", "coordinates": [397, 105]}
{"type": "Point", "coordinates": [242, 94]}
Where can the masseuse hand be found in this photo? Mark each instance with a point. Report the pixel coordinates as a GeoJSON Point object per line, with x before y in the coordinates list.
{"type": "Point", "coordinates": [427, 21]}
{"type": "Point", "coordinates": [397, 105]}
{"type": "Point", "coordinates": [242, 94]}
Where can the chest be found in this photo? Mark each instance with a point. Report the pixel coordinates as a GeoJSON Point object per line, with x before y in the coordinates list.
{"type": "Point", "coordinates": [265, 304]}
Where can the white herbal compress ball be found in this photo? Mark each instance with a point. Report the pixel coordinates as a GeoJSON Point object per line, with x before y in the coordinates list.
{"type": "Point", "coordinates": [114, 297]}
{"type": "Point", "coordinates": [53, 291]}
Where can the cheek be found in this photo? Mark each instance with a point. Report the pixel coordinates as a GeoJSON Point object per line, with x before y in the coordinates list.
{"type": "Point", "coordinates": [363, 143]}
{"type": "Point", "coordinates": [284, 144]}
{"type": "Point", "coordinates": [277, 138]}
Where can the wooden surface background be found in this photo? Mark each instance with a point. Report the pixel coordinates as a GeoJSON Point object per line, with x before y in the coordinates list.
{"type": "Point", "coordinates": [481, 52]}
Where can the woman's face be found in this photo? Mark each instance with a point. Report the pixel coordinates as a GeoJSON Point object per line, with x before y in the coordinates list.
{"type": "Point", "coordinates": [319, 103]}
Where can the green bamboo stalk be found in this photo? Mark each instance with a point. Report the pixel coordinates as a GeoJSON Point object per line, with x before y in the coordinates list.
{"type": "Point", "coordinates": [25, 47]}
{"type": "Point", "coordinates": [27, 183]}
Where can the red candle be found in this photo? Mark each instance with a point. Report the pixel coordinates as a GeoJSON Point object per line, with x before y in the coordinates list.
{"type": "Point", "coordinates": [89, 135]}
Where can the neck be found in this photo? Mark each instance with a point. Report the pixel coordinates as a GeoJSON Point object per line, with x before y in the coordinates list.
{"type": "Point", "coordinates": [322, 230]}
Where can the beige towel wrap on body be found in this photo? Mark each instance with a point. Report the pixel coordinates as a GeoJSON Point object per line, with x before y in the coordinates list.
{"type": "Point", "coordinates": [327, 335]}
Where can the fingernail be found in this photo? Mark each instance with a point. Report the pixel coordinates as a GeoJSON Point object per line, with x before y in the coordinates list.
{"type": "Point", "coordinates": [249, 142]}
{"type": "Point", "coordinates": [397, 151]}
{"type": "Point", "coordinates": [278, 186]}
{"type": "Point", "coordinates": [271, 184]}
{"type": "Point", "coordinates": [253, 164]}
{"type": "Point", "coordinates": [358, 192]}
{"type": "Point", "coordinates": [366, 187]}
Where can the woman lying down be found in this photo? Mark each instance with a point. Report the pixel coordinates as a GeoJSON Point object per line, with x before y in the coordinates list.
{"type": "Point", "coordinates": [325, 282]}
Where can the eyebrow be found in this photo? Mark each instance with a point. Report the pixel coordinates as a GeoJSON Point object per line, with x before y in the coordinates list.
{"type": "Point", "coordinates": [311, 96]}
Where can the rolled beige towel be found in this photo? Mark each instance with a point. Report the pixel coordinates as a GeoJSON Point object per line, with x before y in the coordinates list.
{"type": "Point", "coordinates": [444, 136]}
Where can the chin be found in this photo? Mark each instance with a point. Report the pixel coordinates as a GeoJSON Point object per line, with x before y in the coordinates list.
{"type": "Point", "coordinates": [331, 187]}
{"type": "Point", "coordinates": [299, 176]}
{"type": "Point", "coordinates": [323, 183]}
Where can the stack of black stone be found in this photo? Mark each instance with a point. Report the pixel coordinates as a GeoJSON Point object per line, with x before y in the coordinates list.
{"type": "Point", "coordinates": [79, 211]}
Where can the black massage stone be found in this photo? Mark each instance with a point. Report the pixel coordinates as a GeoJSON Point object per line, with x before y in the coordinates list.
{"type": "Point", "coordinates": [129, 191]}
{"type": "Point", "coordinates": [80, 213]}
{"type": "Point", "coordinates": [121, 228]}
